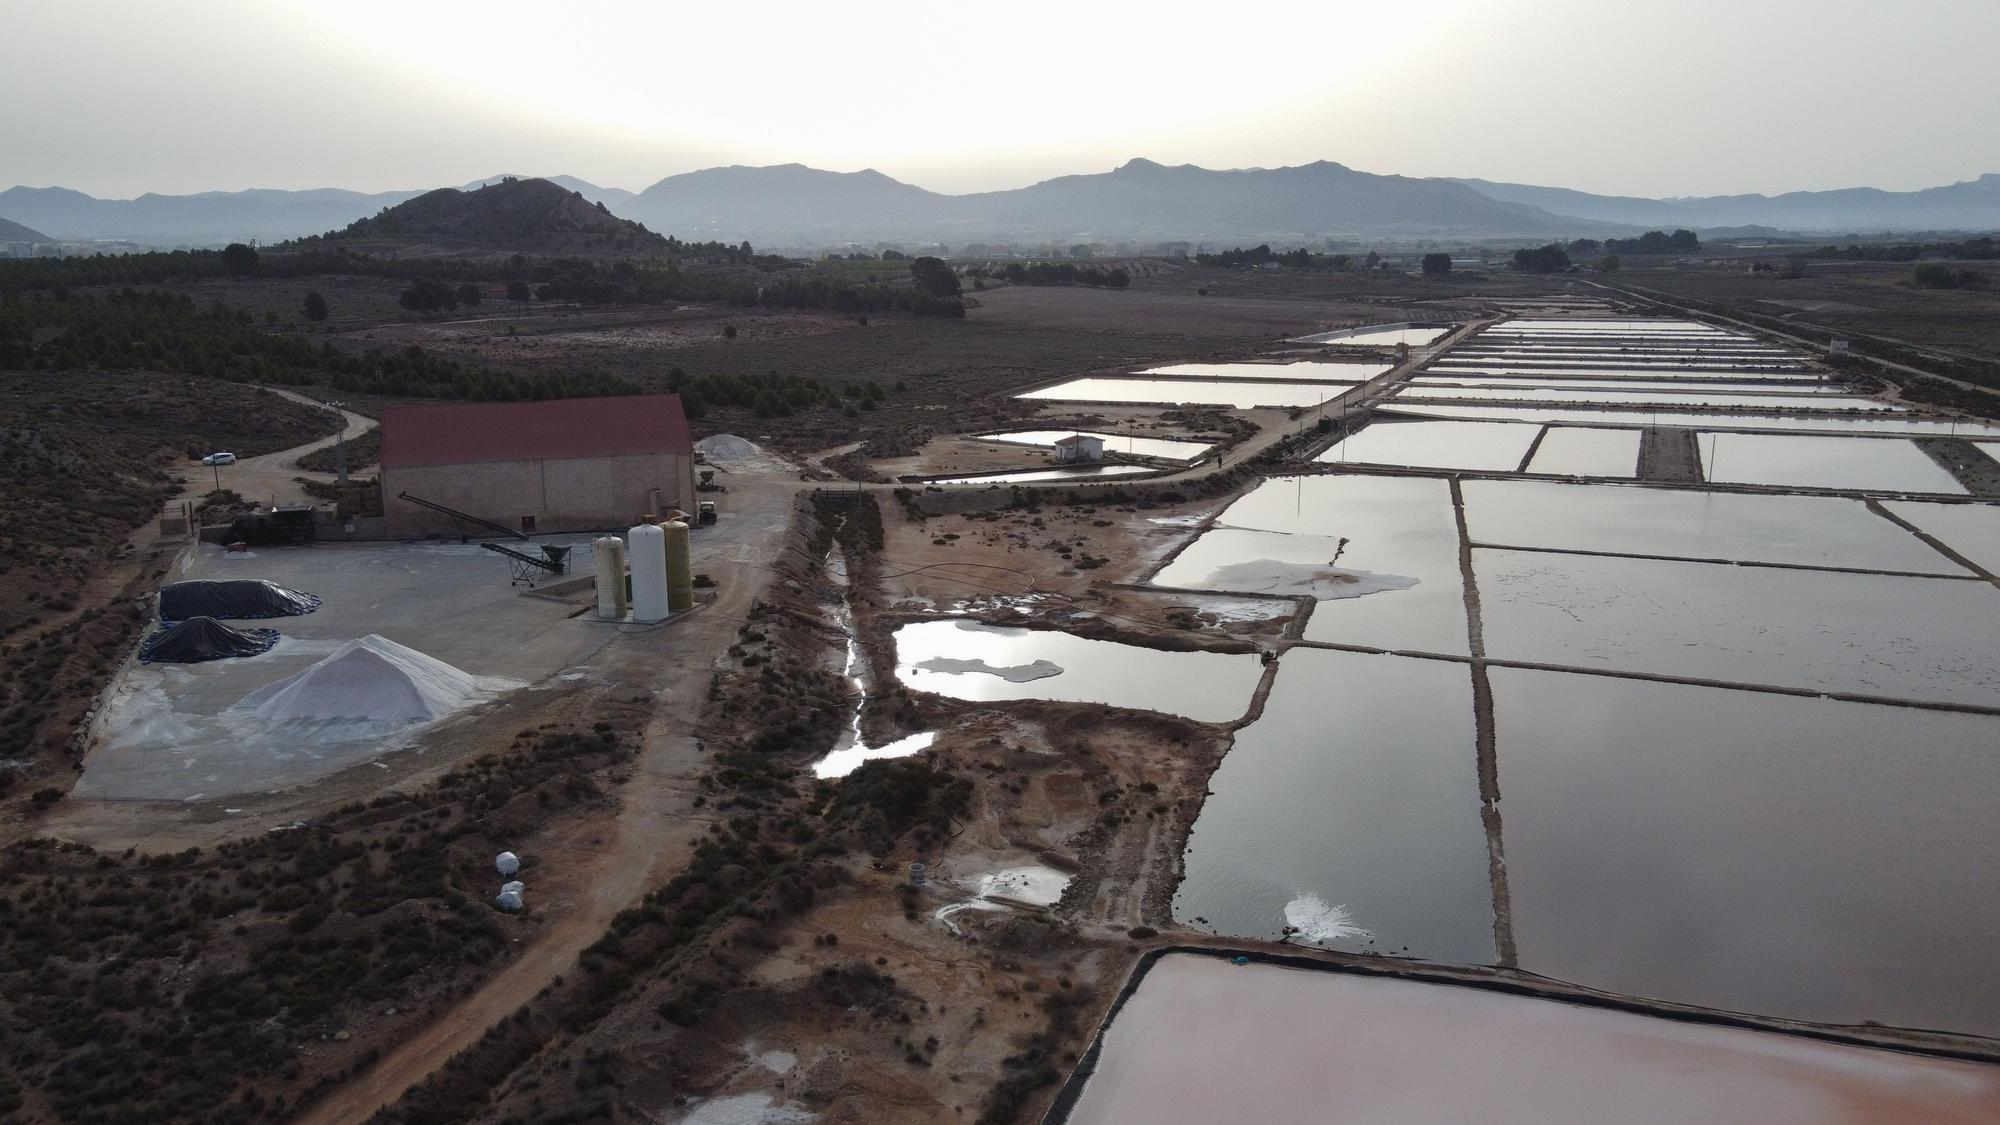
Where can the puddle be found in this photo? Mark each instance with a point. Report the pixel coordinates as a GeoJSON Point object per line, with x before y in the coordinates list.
{"type": "Point", "coordinates": [1241, 394]}
{"type": "Point", "coordinates": [1350, 808]}
{"type": "Point", "coordinates": [1823, 462]}
{"type": "Point", "coordinates": [852, 750]}
{"type": "Point", "coordinates": [1906, 638]}
{"type": "Point", "coordinates": [1806, 858]}
{"type": "Point", "coordinates": [1579, 452]}
{"type": "Point", "coordinates": [1129, 444]}
{"type": "Point", "coordinates": [1303, 1045]}
{"type": "Point", "coordinates": [1081, 472]}
{"type": "Point", "coordinates": [1796, 530]}
{"type": "Point", "coordinates": [1832, 424]}
{"type": "Point", "coordinates": [1973, 530]}
{"type": "Point", "coordinates": [1473, 446]}
{"type": "Point", "coordinates": [1204, 686]}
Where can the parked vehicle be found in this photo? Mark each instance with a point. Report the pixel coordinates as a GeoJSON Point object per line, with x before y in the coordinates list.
{"type": "Point", "coordinates": [219, 459]}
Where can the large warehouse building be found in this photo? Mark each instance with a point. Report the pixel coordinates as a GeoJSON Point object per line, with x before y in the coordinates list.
{"type": "Point", "coordinates": [577, 464]}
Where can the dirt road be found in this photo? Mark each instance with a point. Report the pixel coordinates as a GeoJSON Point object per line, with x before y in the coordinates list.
{"type": "Point", "coordinates": [653, 834]}
{"type": "Point", "coordinates": [269, 479]}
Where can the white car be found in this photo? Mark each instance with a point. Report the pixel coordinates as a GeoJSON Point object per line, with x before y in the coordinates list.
{"type": "Point", "coordinates": [219, 459]}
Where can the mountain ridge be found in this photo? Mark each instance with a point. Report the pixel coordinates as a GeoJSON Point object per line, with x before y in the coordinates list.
{"type": "Point", "coordinates": [794, 204]}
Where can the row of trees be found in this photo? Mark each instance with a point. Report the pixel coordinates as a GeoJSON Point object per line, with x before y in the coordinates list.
{"type": "Point", "coordinates": [170, 332]}
{"type": "Point", "coordinates": [1061, 273]}
{"type": "Point", "coordinates": [1981, 249]}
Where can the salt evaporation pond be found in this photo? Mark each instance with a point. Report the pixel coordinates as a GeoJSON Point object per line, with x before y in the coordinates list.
{"type": "Point", "coordinates": [1471, 446]}
{"type": "Point", "coordinates": [1805, 858]}
{"type": "Point", "coordinates": [964, 659]}
{"type": "Point", "coordinates": [1167, 448]}
{"type": "Point", "coordinates": [1882, 464]}
{"type": "Point", "coordinates": [1973, 530]}
{"type": "Point", "coordinates": [1485, 369]}
{"type": "Point", "coordinates": [1928, 639]}
{"type": "Point", "coordinates": [1379, 336]}
{"type": "Point", "coordinates": [1032, 476]}
{"type": "Point", "coordinates": [1313, 370]}
{"type": "Point", "coordinates": [1686, 399]}
{"type": "Point", "coordinates": [1825, 423]}
{"type": "Point", "coordinates": [1579, 452]}
{"type": "Point", "coordinates": [1201, 1040]}
{"type": "Point", "coordinates": [1397, 585]}
{"type": "Point", "coordinates": [1350, 811]}
{"type": "Point", "coordinates": [1676, 386]}
{"type": "Point", "coordinates": [1739, 527]}
{"type": "Point", "coordinates": [1241, 394]}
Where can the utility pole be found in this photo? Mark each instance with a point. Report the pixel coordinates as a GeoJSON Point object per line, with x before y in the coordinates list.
{"type": "Point", "coordinates": [339, 444]}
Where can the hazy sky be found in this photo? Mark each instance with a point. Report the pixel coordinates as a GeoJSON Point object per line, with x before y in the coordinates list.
{"type": "Point", "coordinates": [1643, 97]}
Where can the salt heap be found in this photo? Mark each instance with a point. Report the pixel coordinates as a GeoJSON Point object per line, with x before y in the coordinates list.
{"type": "Point", "coordinates": [371, 680]}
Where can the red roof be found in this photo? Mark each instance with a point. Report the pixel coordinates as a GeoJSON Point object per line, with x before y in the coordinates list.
{"type": "Point", "coordinates": [554, 430]}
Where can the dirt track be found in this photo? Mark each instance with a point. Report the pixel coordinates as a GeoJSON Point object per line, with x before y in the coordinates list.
{"type": "Point", "coordinates": [656, 825]}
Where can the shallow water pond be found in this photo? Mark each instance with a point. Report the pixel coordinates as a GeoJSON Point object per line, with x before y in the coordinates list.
{"type": "Point", "coordinates": [1242, 394]}
{"type": "Point", "coordinates": [1824, 423]}
{"type": "Point", "coordinates": [1044, 476]}
{"type": "Point", "coordinates": [967, 660]}
{"type": "Point", "coordinates": [1474, 446]}
{"type": "Point", "coordinates": [1581, 452]}
{"type": "Point", "coordinates": [1806, 858]}
{"type": "Point", "coordinates": [1740, 527]}
{"type": "Point", "coordinates": [1379, 336]}
{"type": "Point", "coordinates": [1201, 1040]}
{"type": "Point", "coordinates": [1169, 448]}
{"type": "Point", "coordinates": [1402, 547]}
{"type": "Point", "coordinates": [1303, 370]}
{"type": "Point", "coordinates": [1823, 462]}
{"type": "Point", "coordinates": [1691, 397]}
{"type": "Point", "coordinates": [1973, 530]}
{"type": "Point", "coordinates": [1350, 810]}
{"type": "Point", "coordinates": [1930, 639]}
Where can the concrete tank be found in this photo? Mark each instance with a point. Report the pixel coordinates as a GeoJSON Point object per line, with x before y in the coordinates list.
{"type": "Point", "coordinates": [648, 553]}
{"type": "Point", "coordinates": [612, 602]}
{"type": "Point", "coordinates": [680, 572]}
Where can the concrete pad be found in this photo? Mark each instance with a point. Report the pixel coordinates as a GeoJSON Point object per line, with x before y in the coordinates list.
{"type": "Point", "coordinates": [166, 734]}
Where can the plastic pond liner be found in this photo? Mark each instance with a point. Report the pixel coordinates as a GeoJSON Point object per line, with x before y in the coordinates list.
{"type": "Point", "coordinates": [203, 638]}
{"type": "Point", "coordinates": [232, 598]}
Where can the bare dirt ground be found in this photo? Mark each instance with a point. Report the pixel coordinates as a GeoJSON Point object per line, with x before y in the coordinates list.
{"type": "Point", "coordinates": [1165, 311]}
{"type": "Point", "coordinates": [528, 333]}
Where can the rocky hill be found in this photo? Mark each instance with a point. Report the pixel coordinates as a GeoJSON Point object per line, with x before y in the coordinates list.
{"type": "Point", "coordinates": [512, 216]}
{"type": "Point", "coordinates": [11, 231]}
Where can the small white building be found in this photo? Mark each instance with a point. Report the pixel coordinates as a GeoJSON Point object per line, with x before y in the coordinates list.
{"type": "Point", "coordinates": [1079, 449]}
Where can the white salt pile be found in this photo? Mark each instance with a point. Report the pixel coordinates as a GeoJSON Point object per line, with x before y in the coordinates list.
{"type": "Point", "coordinates": [372, 680]}
{"type": "Point", "coordinates": [1034, 885]}
{"type": "Point", "coordinates": [1324, 583]}
{"type": "Point", "coordinates": [1310, 921]}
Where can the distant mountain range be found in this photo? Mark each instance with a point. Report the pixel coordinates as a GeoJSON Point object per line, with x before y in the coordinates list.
{"type": "Point", "coordinates": [796, 206]}
{"type": "Point", "coordinates": [518, 215]}
{"type": "Point", "coordinates": [1972, 205]}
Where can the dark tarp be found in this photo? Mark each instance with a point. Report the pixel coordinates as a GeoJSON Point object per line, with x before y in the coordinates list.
{"type": "Point", "coordinates": [232, 599]}
{"type": "Point", "coordinates": [204, 638]}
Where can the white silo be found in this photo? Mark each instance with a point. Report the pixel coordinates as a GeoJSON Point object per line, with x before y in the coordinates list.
{"type": "Point", "coordinates": [648, 551]}
{"type": "Point", "coordinates": [611, 597]}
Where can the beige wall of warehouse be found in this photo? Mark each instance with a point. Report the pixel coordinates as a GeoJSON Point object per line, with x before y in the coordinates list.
{"type": "Point", "coordinates": [583, 494]}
